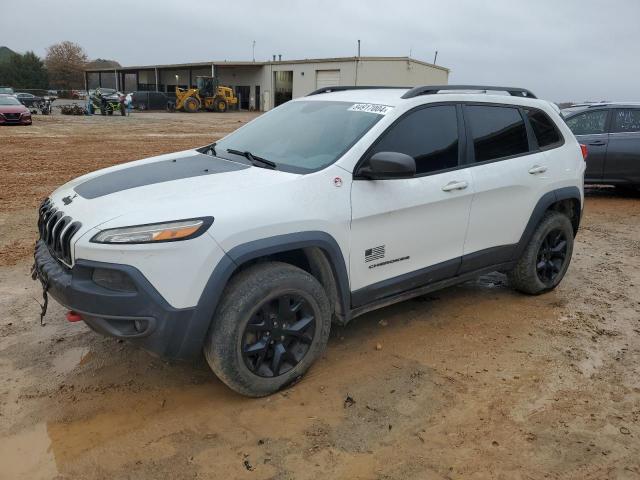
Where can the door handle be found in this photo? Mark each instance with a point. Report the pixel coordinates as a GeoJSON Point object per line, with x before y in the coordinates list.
{"type": "Point", "coordinates": [537, 169]}
{"type": "Point", "coordinates": [455, 185]}
{"type": "Point", "coordinates": [598, 143]}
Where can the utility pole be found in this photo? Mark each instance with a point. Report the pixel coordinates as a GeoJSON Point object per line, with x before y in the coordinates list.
{"type": "Point", "coordinates": [355, 82]}
{"type": "Point", "coordinates": [253, 50]}
{"type": "Point", "coordinates": [435, 57]}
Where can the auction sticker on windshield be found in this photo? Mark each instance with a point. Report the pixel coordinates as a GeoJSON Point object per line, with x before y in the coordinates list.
{"type": "Point", "coordinates": [370, 108]}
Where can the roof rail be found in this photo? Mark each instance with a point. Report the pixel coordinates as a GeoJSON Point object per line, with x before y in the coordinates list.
{"type": "Point", "coordinates": [342, 88]}
{"type": "Point", "coordinates": [432, 89]}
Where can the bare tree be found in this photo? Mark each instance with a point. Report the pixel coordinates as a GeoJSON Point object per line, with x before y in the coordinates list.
{"type": "Point", "coordinates": [65, 63]}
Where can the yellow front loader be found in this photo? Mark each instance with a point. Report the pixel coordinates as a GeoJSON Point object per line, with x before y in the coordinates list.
{"type": "Point", "coordinates": [207, 96]}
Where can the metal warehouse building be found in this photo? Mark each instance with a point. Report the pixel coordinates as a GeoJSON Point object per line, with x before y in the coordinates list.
{"type": "Point", "coordinates": [263, 85]}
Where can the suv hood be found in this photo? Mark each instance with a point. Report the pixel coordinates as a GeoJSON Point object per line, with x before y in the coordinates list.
{"type": "Point", "coordinates": [185, 184]}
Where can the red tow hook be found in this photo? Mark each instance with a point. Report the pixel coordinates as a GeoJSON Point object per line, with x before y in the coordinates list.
{"type": "Point", "coordinates": [73, 316]}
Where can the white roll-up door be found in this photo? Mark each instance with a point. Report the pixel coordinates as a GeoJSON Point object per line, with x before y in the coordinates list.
{"type": "Point", "coordinates": [327, 78]}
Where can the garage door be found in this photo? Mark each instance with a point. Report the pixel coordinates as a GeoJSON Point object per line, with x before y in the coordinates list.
{"type": "Point", "coordinates": [327, 78]}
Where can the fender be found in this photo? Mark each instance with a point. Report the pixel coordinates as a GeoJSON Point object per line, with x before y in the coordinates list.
{"type": "Point", "coordinates": [194, 337]}
{"type": "Point", "coordinates": [539, 210]}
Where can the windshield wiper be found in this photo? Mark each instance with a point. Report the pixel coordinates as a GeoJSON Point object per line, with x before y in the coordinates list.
{"type": "Point", "coordinates": [254, 159]}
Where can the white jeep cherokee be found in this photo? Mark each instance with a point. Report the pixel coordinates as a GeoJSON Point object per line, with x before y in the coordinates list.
{"type": "Point", "coordinates": [320, 210]}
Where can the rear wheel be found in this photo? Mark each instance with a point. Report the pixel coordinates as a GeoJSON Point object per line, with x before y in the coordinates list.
{"type": "Point", "coordinates": [546, 258]}
{"type": "Point", "coordinates": [191, 105]}
{"type": "Point", "coordinates": [272, 323]}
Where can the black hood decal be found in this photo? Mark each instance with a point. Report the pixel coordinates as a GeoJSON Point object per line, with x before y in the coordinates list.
{"type": "Point", "coordinates": [157, 172]}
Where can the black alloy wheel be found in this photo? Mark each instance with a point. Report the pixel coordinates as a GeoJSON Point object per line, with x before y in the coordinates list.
{"type": "Point", "coordinates": [551, 256]}
{"type": "Point", "coordinates": [278, 335]}
{"type": "Point", "coordinates": [272, 324]}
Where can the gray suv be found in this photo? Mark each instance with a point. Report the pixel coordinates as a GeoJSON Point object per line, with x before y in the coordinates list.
{"type": "Point", "coordinates": [611, 132]}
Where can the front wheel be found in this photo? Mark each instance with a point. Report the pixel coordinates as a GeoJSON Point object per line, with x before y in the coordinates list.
{"type": "Point", "coordinates": [272, 323]}
{"type": "Point", "coordinates": [220, 105]}
{"type": "Point", "coordinates": [546, 258]}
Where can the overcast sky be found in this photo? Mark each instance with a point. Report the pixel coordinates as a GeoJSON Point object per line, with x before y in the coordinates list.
{"type": "Point", "coordinates": [559, 49]}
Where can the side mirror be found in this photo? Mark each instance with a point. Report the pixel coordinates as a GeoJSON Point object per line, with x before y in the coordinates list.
{"type": "Point", "coordinates": [388, 165]}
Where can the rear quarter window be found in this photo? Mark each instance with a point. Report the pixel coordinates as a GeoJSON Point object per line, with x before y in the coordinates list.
{"type": "Point", "coordinates": [544, 129]}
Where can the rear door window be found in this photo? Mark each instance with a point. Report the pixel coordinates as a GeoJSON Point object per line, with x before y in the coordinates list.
{"type": "Point", "coordinates": [626, 120]}
{"type": "Point", "coordinates": [588, 123]}
{"type": "Point", "coordinates": [497, 132]}
{"type": "Point", "coordinates": [544, 129]}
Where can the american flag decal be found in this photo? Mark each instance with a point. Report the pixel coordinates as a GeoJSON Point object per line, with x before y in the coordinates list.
{"type": "Point", "coordinates": [375, 253]}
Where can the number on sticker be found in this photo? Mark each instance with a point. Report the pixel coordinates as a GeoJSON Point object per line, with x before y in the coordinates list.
{"type": "Point", "coordinates": [370, 108]}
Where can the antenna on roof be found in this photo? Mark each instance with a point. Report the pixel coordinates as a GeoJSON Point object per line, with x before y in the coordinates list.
{"type": "Point", "coordinates": [358, 48]}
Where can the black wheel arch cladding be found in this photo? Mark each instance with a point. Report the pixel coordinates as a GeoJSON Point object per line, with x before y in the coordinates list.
{"type": "Point", "coordinates": [195, 337]}
{"type": "Point", "coordinates": [547, 201]}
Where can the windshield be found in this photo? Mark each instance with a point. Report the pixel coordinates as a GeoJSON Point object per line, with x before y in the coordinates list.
{"type": "Point", "coordinates": [9, 101]}
{"type": "Point", "coordinates": [6, 90]}
{"type": "Point", "coordinates": [302, 136]}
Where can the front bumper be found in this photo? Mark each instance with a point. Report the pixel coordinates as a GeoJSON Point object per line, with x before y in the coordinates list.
{"type": "Point", "coordinates": [141, 315]}
{"type": "Point", "coordinates": [22, 120]}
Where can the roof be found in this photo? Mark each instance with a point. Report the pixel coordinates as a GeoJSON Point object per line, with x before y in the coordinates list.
{"type": "Point", "coordinates": [382, 96]}
{"type": "Point", "coordinates": [395, 96]}
{"type": "Point", "coordinates": [227, 63]}
{"type": "Point", "coordinates": [581, 107]}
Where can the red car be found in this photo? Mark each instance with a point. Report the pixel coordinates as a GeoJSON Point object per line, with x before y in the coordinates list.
{"type": "Point", "coordinates": [12, 112]}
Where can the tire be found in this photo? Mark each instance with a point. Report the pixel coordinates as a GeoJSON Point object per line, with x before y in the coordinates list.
{"type": "Point", "coordinates": [220, 104]}
{"type": "Point", "coordinates": [274, 288]}
{"type": "Point", "coordinates": [191, 105]}
{"type": "Point", "coordinates": [546, 258]}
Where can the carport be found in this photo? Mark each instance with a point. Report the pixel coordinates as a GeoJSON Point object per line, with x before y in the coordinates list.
{"type": "Point", "coordinates": [243, 77]}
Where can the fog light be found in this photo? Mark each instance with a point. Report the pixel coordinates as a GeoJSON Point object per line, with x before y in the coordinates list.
{"type": "Point", "coordinates": [140, 325]}
{"type": "Point", "coordinates": [113, 280]}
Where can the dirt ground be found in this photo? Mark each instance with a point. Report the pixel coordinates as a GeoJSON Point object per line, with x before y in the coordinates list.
{"type": "Point", "coordinates": [472, 382]}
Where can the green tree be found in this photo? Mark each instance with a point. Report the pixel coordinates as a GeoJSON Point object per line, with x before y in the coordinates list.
{"type": "Point", "coordinates": [24, 71]}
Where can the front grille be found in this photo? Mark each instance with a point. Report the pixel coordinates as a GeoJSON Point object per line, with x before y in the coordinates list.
{"type": "Point", "coordinates": [56, 230]}
{"type": "Point", "coordinates": [12, 116]}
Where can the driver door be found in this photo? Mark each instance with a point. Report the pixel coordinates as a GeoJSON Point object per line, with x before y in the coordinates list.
{"type": "Point", "coordinates": [410, 232]}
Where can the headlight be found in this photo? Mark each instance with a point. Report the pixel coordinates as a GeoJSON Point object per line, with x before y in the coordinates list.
{"type": "Point", "coordinates": [155, 232]}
